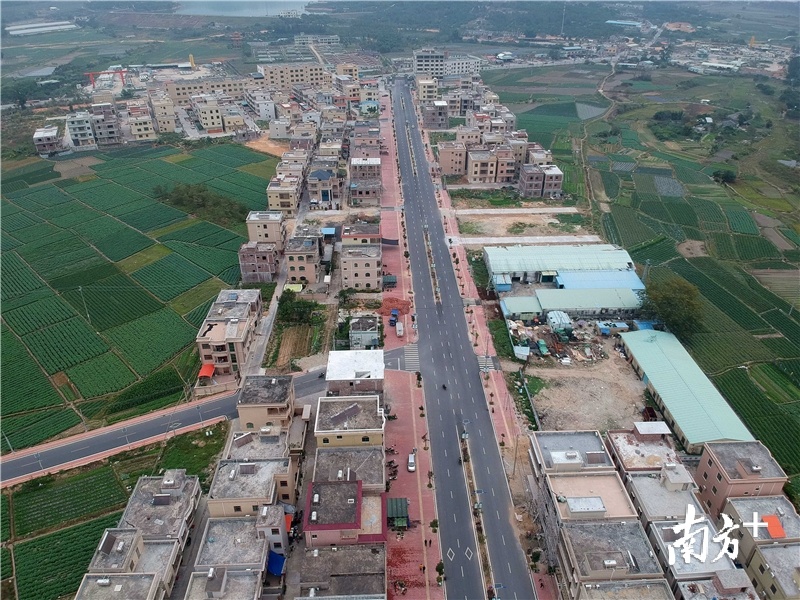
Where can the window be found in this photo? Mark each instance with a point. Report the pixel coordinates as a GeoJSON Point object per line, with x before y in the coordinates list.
{"type": "Point", "coordinates": [284, 496]}
{"type": "Point", "coordinates": [284, 484]}
{"type": "Point", "coordinates": [338, 437]}
{"type": "Point", "coordinates": [719, 477]}
{"type": "Point", "coordinates": [250, 426]}
{"type": "Point", "coordinates": [705, 476]}
{"type": "Point", "coordinates": [326, 441]}
{"type": "Point", "coordinates": [276, 531]}
{"type": "Point", "coordinates": [277, 545]}
{"type": "Point", "coordinates": [255, 508]}
{"type": "Point", "coordinates": [237, 509]}
{"type": "Point", "coordinates": [365, 439]}
{"type": "Point", "coordinates": [313, 536]}
{"type": "Point", "coordinates": [231, 347]}
{"type": "Point", "coordinates": [714, 490]}
{"type": "Point", "coordinates": [761, 569]}
{"type": "Point", "coordinates": [773, 589]}
{"type": "Point", "coordinates": [710, 463]}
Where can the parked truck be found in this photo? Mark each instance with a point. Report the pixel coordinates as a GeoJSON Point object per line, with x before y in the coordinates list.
{"type": "Point", "coordinates": [399, 329]}
{"type": "Point", "coordinates": [393, 318]}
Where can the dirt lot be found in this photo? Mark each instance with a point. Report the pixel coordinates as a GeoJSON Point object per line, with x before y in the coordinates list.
{"type": "Point", "coordinates": [264, 144]}
{"type": "Point", "coordinates": [692, 248]}
{"type": "Point", "coordinates": [484, 225]}
{"type": "Point", "coordinates": [603, 395]}
{"type": "Point", "coordinates": [781, 282]}
{"type": "Point", "coordinates": [76, 166]}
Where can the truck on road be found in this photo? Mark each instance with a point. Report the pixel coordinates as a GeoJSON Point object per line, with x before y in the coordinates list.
{"type": "Point", "coordinates": [393, 318]}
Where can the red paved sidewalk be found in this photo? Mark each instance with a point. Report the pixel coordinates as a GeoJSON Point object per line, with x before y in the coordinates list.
{"type": "Point", "coordinates": [407, 552]}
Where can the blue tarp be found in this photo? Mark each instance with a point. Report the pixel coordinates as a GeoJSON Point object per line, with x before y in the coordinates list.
{"type": "Point", "coordinates": [639, 325]}
{"type": "Point", "coordinates": [275, 563]}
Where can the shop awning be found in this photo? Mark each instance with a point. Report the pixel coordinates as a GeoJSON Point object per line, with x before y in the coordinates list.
{"type": "Point", "coordinates": [207, 371]}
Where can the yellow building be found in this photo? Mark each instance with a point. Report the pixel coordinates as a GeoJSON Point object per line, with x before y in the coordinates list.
{"type": "Point", "coordinates": [349, 421]}
{"type": "Point", "coordinates": [284, 76]}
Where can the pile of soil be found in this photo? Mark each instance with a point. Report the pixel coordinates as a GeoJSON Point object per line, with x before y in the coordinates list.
{"type": "Point", "coordinates": [390, 304]}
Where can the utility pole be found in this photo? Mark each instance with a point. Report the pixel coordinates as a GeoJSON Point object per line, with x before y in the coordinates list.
{"type": "Point", "coordinates": [563, 18]}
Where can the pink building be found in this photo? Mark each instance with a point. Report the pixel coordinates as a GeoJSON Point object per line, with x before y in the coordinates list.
{"type": "Point", "coordinates": [336, 513]}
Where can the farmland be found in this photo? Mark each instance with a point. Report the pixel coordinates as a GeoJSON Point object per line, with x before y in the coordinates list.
{"type": "Point", "coordinates": [660, 195]}
{"type": "Point", "coordinates": [89, 266]}
{"type": "Point", "coordinates": [53, 503]}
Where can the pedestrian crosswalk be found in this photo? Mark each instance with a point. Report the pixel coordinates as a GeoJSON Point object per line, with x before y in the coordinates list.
{"type": "Point", "coordinates": [411, 357]}
{"type": "Point", "coordinates": [486, 363]}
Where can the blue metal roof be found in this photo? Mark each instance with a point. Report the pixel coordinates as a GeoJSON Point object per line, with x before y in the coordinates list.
{"type": "Point", "coordinates": [580, 280]}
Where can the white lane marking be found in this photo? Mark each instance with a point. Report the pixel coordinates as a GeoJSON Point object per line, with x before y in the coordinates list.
{"type": "Point", "coordinates": [503, 538]}
{"type": "Point", "coordinates": [488, 471]}
{"type": "Point", "coordinates": [492, 491]}
{"type": "Point", "coordinates": [454, 518]}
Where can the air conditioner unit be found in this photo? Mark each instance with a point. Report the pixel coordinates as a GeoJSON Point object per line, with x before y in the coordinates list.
{"type": "Point", "coordinates": [266, 430]}
{"type": "Point", "coordinates": [210, 573]}
{"type": "Point", "coordinates": [232, 474]}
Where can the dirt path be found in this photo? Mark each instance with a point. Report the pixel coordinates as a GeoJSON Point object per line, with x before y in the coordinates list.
{"type": "Point", "coordinates": [264, 144]}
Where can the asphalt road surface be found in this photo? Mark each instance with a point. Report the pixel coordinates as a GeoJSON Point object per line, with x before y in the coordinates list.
{"type": "Point", "coordinates": [119, 437]}
{"type": "Point", "coordinates": [447, 359]}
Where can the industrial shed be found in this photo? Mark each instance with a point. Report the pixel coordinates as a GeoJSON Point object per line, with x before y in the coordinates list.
{"type": "Point", "coordinates": [544, 263]}
{"type": "Point", "coordinates": [591, 303]}
{"type": "Point", "coordinates": [691, 404]}
{"type": "Point", "coordinates": [579, 280]}
{"type": "Point", "coordinates": [521, 308]}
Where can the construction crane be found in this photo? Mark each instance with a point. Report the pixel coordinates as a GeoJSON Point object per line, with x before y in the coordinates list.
{"type": "Point", "coordinates": [121, 73]}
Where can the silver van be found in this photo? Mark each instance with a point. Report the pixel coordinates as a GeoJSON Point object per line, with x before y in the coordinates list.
{"type": "Point", "coordinates": [412, 462]}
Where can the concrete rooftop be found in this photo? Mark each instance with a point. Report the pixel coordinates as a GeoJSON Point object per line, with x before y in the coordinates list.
{"type": "Point", "coordinates": [231, 541]}
{"type": "Point", "coordinates": [347, 413]}
{"type": "Point", "coordinates": [726, 584]}
{"type": "Point", "coordinates": [736, 457]}
{"type": "Point", "coordinates": [652, 589]}
{"type": "Point", "coordinates": [637, 454]}
{"type": "Point", "coordinates": [666, 537]}
{"type": "Point", "coordinates": [777, 506]}
{"type": "Point", "coordinates": [783, 561]}
{"type": "Point", "coordinates": [659, 503]}
{"type": "Point", "coordinates": [265, 389]}
{"type": "Point", "coordinates": [339, 504]}
{"type": "Point", "coordinates": [349, 365]}
{"type": "Point", "coordinates": [350, 571]}
{"type": "Point", "coordinates": [253, 479]}
{"type": "Point", "coordinates": [161, 520]}
{"type": "Point", "coordinates": [585, 490]}
{"type": "Point", "coordinates": [107, 556]}
{"type": "Point", "coordinates": [251, 445]}
{"type": "Point", "coordinates": [364, 463]}
{"type": "Point", "coordinates": [556, 448]}
{"type": "Point", "coordinates": [138, 586]}
{"type": "Point", "coordinates": [599, 541]}
{"type": "Point", "coordinates": [239, 585]}
{"type": "Point", "coordinates": [361, 251]}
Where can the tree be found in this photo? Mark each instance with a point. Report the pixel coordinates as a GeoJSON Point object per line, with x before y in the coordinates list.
{"type": "Point", "coordinates": [793, 71]}
{"type": "Point", "coordinates": [724, 176]}
{"type": "Point", "coordinates": [676, 302]}
{"type": "Point", "coordinates": [127, 94]}
{"type": "Point", "coordinates": [20, 91]}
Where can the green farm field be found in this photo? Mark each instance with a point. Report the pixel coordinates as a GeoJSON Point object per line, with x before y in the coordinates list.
{"type": "Point", "coordinates": [667, 211]}
{"type": "Point", "coordinates": [103, 283]}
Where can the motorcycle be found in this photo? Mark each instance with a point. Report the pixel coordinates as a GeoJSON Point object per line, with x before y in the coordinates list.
{"type": "Point", "coordinates": [444, 387]}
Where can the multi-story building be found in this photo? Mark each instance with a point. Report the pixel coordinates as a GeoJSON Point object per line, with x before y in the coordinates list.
{"type": "Point", "coordinates": [230, 545]}
{"type": "Point", "coordinates": [325, 187]}
{"type": "Point", "coordinates": [163, 109]}
{"type": "Point", "coordinates": [540, 181]}
{"type": "Point", "coordinates": [736, 469]}
{"type": "Point", "coordinates": [105, 124]}
{"type": "Point", "coordinates": [47, 140]}
{"type": "Point", "coordinates": [303, 253]}
{"type": "Point", "coordinates": [283, 194]}
{"type": "Point", "coordinates": [258, 262]}
{"type": "Point", "coordinates": [140, 120]}
{"type": "Point", "coordinates": [460, 101]}
{"type": "Point", "coordinates": [361, 233]}
{"type": "Point", "coordinates": [349, 421]}
{"type": "Point", "coordinates": [452, 158]}
{"type": "Point", "coordinates": [429, 61]}
{"type": "Point", "coordinates": [266, 404]}
{"type": "Point", "coordinates": [364, 332]}
{"type": "Point", "coordinates": [355, 372]}
{"type": "Point", "coordinates": [365, 192]}
{"type": "Point", "coordinates": [80, 132]}
{"type": "Point", "coordinates": [435, 115]}
{"type": "Point", "coordinates": [280, 129]}
{"type": "Point", "coordinates": [232, 118]}
{"type": "Point", "coordinates": [226, 335]}
{"type": "Point", "coordinates": [664, 496]}
{"type": "Point", "coordinates": [768, 532]}
{"type": "Point", "coordinates": [469, 136]}
{"type": "Point", "coordinates": [365, 168]}
{"type": "Point", "coordinates": [241, 488]}
{"type": "Point", "coordinates": [225, 585]}
{"type": "Point", "coordinates": [664, 534]}
{"type": "Point", "coordinates": [337, 513]}
{"type": "Point", "coordinates": [181, 92]}
{"type": "Point", "coordinates": [427, 90]}
{"type": "Point", "coordinates": [645, 448]}
{"type": "Point", "coordinates": [284, 76]}
{"type": "Point", "coordinates": [305, 39]}
{"type": "Point", "coordinates": [481, 166]}
{"type": "Point", "coordinates": [349, 69]}
{"type": "Point", "coordinates": [267, 227]}
{"type": "Point", "coordinates": [163, 507]}
{"type": "Point", "coordinates": [208, 111]}
{"type": "Point", "coordinates": [601, 551]}
{"type": "Point", "coordinates": [728, 584]}
{"type": "Point", "coordinates": [361, 266]}
{"type": "Point", "coordinates": [458, 64]}
{"type": "Point", "coordinates": [261, 102]}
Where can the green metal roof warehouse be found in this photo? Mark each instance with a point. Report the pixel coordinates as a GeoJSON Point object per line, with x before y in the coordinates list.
{"type": "Point", "coordinates": [691, 404]}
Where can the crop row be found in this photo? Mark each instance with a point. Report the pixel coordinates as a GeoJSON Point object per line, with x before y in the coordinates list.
{"type": "Point", "coordinates": [658, 251]}
{"type": "Point", "coordinates": [170, 276]}
{"type": "Point", "coordinates": [735, 281]}
{"type": "Point", "coordinates": [149, 341]}
{"type": "Point", "coordinates": [24, 385]}
{"type": "Point", "coordinates": [19, 220]}
{"type": "Point", "coordinates": [689, 175]}
{"type": "Point", "coordinates": [630, 228]}
{"type": "Point", "coordinates": [202, 165]}
{"type": "Point", "coordinates": [33, 428]}
{"type": "Point", "coordinates": [153, 217]}
{"type": "Point", "coordinates": [779, 430]}
{"type": "Point", "coordinates": [213, 260]}
{"type": "Point", "coordinates": [706, 210]}
{"type": "Point", "coordinates": [732, 306]}
{"type": "Point", "coordinates": [715, 352]}
{"type": "Point", "coordinates": [65, 500]}
{"type": "Point", "coordinates": [101, 375]}
{"type": "Point", "coordinates": [722, 245]}
{"type": "Point", "coordinates": [5, 520]}
{"type": "Point", "coordinates": [199, 232]}
{"type": "Point", "coordinates": [46, 311]}
{"type": "Point", "coordinates": [645, 184]}
{"type": "Point", "coordinates": [610, 183]}
{"type": "Point", "coordinates": [657, 210]}
{"type": "Point", "coordinates": [69, 214]}
{"type": "Point", "coordinates": [176, 173]}
{"type": "Point", "coordinates": [775, 383]}
{"type": "Point", "coordinates": [740, 220]}
{"type": "Point", "coordinates": [53, 565]}
{"type": "Point", "coordinates": [247, 180]}
{"type": "Point", "coordinates": [112, 301]}
{"type": "Point", "coordinates": [229, 153]}
{"type": "Point", "coordinates": [18, 278]}
{"type": "Point", "coordinates": [159, 384]}
{"type": "Point", "coordinates": [246, 197]}
{"type": "Point", "coordinates": [750, 247]}
{"type": "Point", "coordinates": [682, 214]}
{"type": "Point", "coordinates": [39, 198]}
{"type": "Point", "coordinates": [786, 325]}
{"type": "Point", "coordinates": [610, 228]}
{"type": "Point", "coordinates": [668, 229]}
{"type": "Point", "coordinates": [64, 344]}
